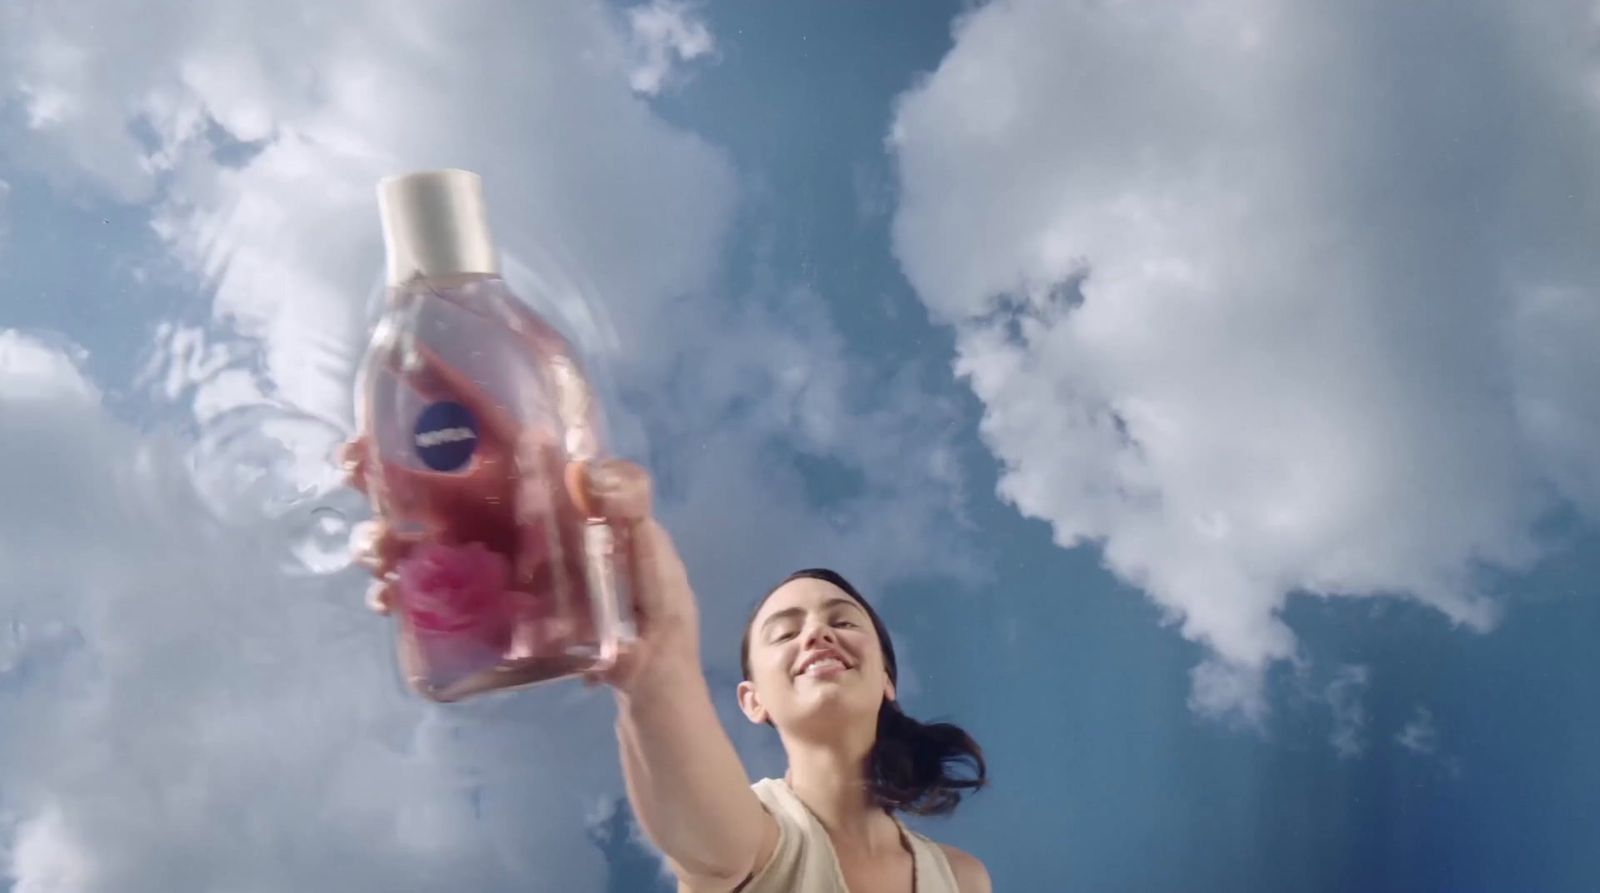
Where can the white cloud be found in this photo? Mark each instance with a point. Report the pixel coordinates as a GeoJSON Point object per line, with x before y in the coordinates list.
{"type": "Point", "coordinates": [39, 368]}
{"type": "Point", "coordinates": [665, 35]}
{"type": "Point", "coordinates": [181, 715]}
{"type": "Point", "coordinates": [771, 379]}
{"type": "Point", "coordinates": [577, 169]}
{"type": "Point", "coordinates": [1420, 735]}
{"type": "Point", "coordinates": [1266, 299]}
{"type": "Point", "coordinates": [47, 859]}
{"type": "Point", "coordinates": [168, 668]}
{"type": "Point", "coordinates": [1344, 695]}
{"type": "Point", "coordinates": [1555, 367]}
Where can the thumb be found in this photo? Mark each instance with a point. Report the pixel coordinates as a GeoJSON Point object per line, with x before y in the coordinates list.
{"type": "Point", "coordinates": [619, 493]}
{"type": "Point", "coordinates": [616, 490]}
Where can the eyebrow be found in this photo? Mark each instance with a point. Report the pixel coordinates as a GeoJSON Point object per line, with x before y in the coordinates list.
{"type": "Point", "coordinates": [786, 613]}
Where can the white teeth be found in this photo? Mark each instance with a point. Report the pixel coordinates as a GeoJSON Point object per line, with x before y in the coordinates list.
{"type": "Point", "coordinates": [826, 663]}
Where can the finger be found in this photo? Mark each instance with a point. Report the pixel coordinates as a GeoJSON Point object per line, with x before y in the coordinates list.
{"type": "Point", "coordinates": [627, 652]}
{"type": "Point", "coordinates": [375, 546]}
{"type": "Point", "coordinates": [380, 596]}
{"type": "Point", "coordinates": [619, 492]}
{"type": "Point", "coordinates": [352, 462]}
{"type": "Point", "coordinates": [364, 543]}
{"type": "Point", "coordinates": [616, 490]}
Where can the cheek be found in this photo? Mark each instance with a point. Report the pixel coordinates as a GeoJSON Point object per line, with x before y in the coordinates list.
{"type": "Point", "coordinates": [774, 667]}
{"type": "Point", "coordinates": [865, 646]}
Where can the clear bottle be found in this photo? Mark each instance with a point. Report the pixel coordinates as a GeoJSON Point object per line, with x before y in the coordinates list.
{"type": "Point", "coordinates": [477, 419]}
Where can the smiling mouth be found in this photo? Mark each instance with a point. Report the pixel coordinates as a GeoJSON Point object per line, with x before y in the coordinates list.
{"type": "Point", "coordinates": [826, 665]}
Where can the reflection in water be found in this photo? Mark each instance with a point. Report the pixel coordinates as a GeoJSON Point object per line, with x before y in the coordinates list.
{"type": "Point", "coordinates": [262, 460]}
{"type": "Point", "coordinates": [271, 467]}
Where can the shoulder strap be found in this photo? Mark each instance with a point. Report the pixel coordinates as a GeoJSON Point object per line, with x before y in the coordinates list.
{"type": "Point", "coordinates": [933, 871]}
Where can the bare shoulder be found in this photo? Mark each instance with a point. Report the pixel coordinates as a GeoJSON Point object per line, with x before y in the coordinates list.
{"type": "Point", "coordinates": [971, 876]}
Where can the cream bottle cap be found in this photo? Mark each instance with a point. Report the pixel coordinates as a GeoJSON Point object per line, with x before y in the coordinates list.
{"type": "Point", "coordinates": [435, 223]}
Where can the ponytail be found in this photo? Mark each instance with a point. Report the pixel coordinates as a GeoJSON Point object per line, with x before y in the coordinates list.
{"type": "Point", "coordinates": [914, 767]}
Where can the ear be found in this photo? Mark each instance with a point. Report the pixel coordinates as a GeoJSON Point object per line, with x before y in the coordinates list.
{"type": "Point", "coordinates": [888, 687]}
{"type": "Point", "coordinates": [750, 704]}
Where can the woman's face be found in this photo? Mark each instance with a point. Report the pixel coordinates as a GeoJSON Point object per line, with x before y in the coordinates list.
{"type": "Point", "coordinates": [813, 657]}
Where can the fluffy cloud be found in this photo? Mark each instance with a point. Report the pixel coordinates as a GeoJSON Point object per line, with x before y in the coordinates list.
{"type": "Point", "coordinates": [180, 715]}
{"type": "Point", "coordinates": [614, 222]}
{"type": "Point", "coordinates": [665, 35]}
{"type": "Point", "coordinates": [37, 367]}
{"type": "Point", "coordinates": [47, 859]}
{"type": "Point", "coordinates": [1419, 734]}
{"type": "Point", "coordinates": [166, 664]}
{"type": "Point", "coordinates": [1265, 299]}
{"type": "Point", "coordinates": [1349, 713]}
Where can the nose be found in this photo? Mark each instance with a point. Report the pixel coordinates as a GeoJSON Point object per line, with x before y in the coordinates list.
{"type": "Point", "coordinates": [818, 633]}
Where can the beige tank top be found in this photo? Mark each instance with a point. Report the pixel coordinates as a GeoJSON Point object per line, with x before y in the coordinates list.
{"type": "Point", "coordinates": [804, 860]}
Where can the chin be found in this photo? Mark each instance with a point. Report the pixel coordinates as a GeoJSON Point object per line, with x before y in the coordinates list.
{"type": "Point", "coordinates": [834, 705]}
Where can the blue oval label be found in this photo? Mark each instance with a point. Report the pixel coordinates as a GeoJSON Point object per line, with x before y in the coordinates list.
{"type": "Point", "coordinates": [445, 436]}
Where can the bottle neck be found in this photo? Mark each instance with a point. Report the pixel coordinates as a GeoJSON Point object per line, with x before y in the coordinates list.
{"type": "Point", "coordinates": [453, 282]}
{"type": "Point", "coordinates": [456, 280]}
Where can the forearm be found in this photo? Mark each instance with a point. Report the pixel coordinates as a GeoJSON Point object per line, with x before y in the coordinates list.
{"type": "Point", "coordinates": [688, 788]}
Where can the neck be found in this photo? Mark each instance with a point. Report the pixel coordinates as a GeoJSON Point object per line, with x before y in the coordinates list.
{"type": "Point", "coordinates": [831, 780]}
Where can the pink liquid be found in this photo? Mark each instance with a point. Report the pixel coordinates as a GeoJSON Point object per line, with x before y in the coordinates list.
{"type": "Point", "coordinates": [476, 417]}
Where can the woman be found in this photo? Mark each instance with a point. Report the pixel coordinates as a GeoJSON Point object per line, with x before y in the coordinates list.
{"type": "Point", "coordinates": [818, 667]}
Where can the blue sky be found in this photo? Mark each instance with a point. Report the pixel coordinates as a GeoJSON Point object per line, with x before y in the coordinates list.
{"type": "Point", "coordinates": [1205, 393]}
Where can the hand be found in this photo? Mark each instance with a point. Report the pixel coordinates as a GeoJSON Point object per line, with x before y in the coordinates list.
{"type": "Point", "coordinates": [373, 544]}
{"type": "Point", "coordinates": [649, 569]}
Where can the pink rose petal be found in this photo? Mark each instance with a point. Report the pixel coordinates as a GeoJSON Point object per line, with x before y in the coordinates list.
{"type": "Point", "coordinates": [456, 589]}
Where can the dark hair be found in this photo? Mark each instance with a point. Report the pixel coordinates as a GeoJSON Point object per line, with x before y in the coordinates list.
{"type": "Point", "coordinates": [912, 765]}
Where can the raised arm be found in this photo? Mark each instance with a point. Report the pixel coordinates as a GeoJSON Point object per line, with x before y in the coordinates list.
{"type": "Point", "coordinates": [688, 788]}
{"type": "Point", "coordinates": [685, 781]}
